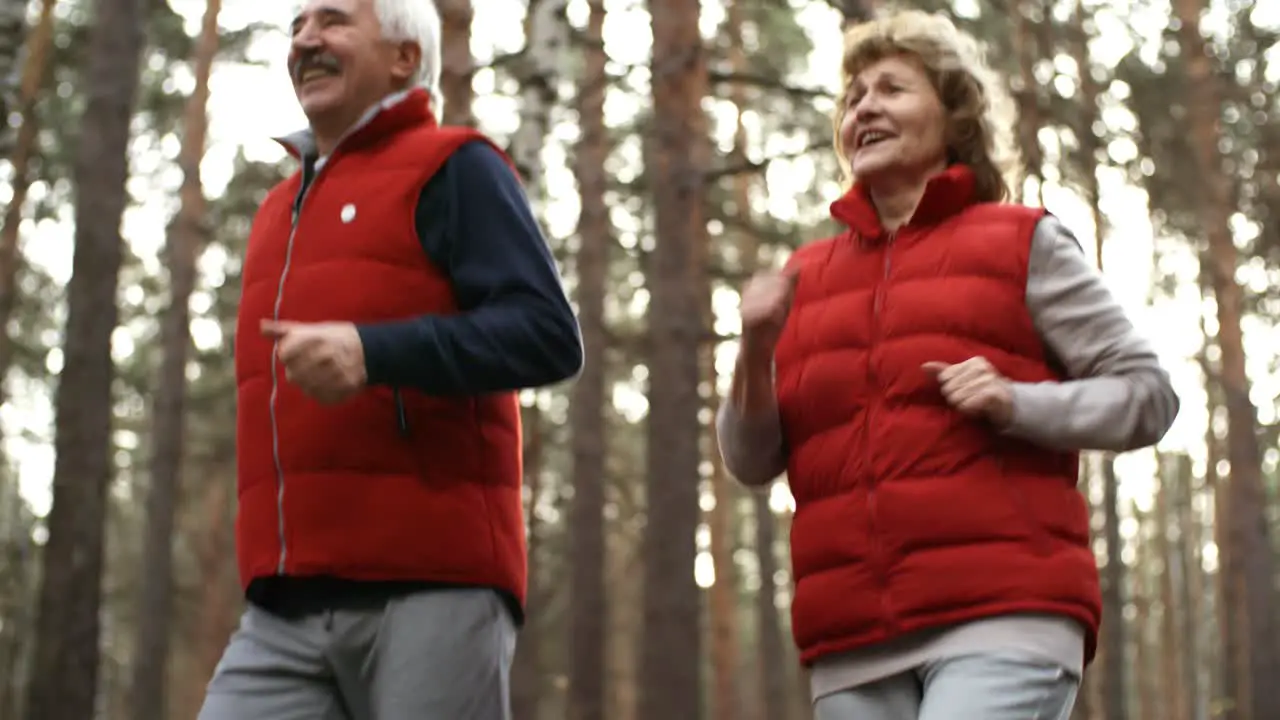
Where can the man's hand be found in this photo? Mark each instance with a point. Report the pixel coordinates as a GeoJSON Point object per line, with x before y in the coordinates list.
{"type": "Point", "coordinates": [326, 359]}
{"type": "Point", "coordinates": [976, 389]}
{"type": "Point", "coordinates": [765, 304]}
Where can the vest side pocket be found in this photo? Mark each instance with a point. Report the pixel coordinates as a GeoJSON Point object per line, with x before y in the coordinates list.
{"type": "Point", "coordinates": [402, 416]}
{"type": "Point", "coordinates": [1041, 541]}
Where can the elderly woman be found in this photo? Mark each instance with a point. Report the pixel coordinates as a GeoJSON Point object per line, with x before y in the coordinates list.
{"type": "Point", "coordinates": [926, 378]}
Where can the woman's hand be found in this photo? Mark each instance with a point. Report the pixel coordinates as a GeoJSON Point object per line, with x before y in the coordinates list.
{"type": "Point", "coordinates": [976, 389]}
{"type": "Point", "coordinates": [766, 301]}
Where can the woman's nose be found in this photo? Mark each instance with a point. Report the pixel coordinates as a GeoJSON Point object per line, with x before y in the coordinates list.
{"type": "Point", "coordinates": [866, 108]}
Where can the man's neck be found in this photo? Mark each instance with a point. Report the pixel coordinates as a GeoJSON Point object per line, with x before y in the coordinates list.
{"type": "Point", "coordinates": [328, 131]}
{"type": "Point", "coordinates": [327, 137]}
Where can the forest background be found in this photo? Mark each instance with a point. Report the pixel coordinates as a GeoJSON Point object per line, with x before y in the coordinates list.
{"type": "Point", "coordinates": [672, 148]}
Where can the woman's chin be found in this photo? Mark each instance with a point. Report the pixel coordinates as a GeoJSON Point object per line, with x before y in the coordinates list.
{"type": "Point", "coordinates": [873, 171]}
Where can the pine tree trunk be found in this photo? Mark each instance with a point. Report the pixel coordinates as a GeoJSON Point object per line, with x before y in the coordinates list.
{"type": "Point", "coordinates": [588, 614]}
{"type": "Point", "coordinates": [772, 652]}
{"type": "Point", "coordinates": [1027, 96]}
{"type": "Point", "coordinates": [1190, 588]}
{"type": "Point", "coordinates": [1114, 640]}
{"type": "Point", "coordinates": [456, 63]}
{"type": "Point", "coordinates": [1172, 653]}
{"type": "Point", "coordinates": [35, 73]}
{"type": "Point", "coordinates": [1249, 533]}
{"type": "Point", "coordinates": [149, 697]}
{"type": "Point", "coordinates": [13, 30]}
{"type": "Point", "coordinates": [671, 654]}
{"type": "Point", "coordinates": [65, 672]}
{"type": "Point", "coordinates": [528, 669]}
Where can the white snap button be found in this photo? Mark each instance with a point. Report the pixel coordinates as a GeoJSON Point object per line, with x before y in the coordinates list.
{"type": "Point", "coordinates": [348, 213]}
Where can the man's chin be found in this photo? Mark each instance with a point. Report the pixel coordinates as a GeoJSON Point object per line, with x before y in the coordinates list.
{"type": "Point", "coordinates": [318, 101]}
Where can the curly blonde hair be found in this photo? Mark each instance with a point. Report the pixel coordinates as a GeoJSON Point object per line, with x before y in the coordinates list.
{"type": "Point", "coordinates": [980, 114]}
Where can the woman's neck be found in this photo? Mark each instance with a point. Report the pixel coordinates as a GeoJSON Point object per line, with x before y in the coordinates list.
{"type": "Point", "coordinates": [896, 196]}
{"type": "Point", "coordinates": [896, 205]}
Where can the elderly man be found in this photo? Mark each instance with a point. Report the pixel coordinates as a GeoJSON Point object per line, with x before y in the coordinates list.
{"type": "Point", "coordinates": [396, 293]}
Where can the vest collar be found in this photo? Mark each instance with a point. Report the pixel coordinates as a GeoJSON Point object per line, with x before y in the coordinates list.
{"type": "Point", "coordinates": [946, 194]}
{"type": "Point", "coordinates": [392, 114]}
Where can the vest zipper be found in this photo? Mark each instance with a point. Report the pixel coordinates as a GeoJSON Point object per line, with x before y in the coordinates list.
{"type": "Point", "coordinates": [878, 559]}
{"type": "Point", "coordinates": [310, 175]}
{"type": "Point", "coordinates": [309, 178]}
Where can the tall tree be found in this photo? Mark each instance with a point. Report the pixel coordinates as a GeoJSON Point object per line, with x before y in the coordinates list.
{"type": "Point", "coordinates": [168, 419]}
{"type": "Point", "coordinates": [1027, 93]}
{"type": "Point", "coordinates": [13, 26]}
{"type": "Point", "coordinates": [671, 653]}
{"type": "Point", "coordinates": [456, 62]}
{"type": "Point", "coordinates": [1249, 534]}
{"type": "Point", "coordinates": [65, 670]}
{"type": "Point", "coordinates": [588, 614]}
{"type": "Point", "coordinates": [1173, 655]}
{"type": "Point", "coordinates": [1115, 633]}
{"type": "Point", "coordinates": [528, 671]}
{"type": "Point", "coordinates": [35, 73]}
{"type": "Point", "coordinates": [544, 60]}
{"type": "Point", "coordinates": [723, 598]}
{"type": "Point", "coordinates": [1186, 545]}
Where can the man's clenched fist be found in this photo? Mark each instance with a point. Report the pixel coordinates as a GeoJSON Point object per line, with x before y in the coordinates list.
{"type": "Point", "coordinates": [976, 389]}
{"type": "Point", "coordinates": [326, 359]}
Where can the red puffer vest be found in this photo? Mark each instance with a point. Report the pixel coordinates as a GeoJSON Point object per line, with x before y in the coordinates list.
{"type": "Point", "coordinates": [391, 484]}
{"type": "Point", "coordinates": [910, 515]}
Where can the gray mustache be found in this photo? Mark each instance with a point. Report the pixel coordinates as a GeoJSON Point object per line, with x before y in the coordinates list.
{"type": "Point", "coordinates": [316, 61]}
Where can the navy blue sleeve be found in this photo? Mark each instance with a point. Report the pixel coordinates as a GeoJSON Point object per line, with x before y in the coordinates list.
{"type": "Point", "coordinates": [516, 328]}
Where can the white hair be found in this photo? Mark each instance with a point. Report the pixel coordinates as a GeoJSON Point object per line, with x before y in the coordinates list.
{"type": "Point", "coordinates": [416, 21]}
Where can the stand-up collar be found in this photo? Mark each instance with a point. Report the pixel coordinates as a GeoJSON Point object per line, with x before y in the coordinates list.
{"type": "Point", "coordinates": [946, 194]}
{"type": "Point", "coordinates": [395, 112]}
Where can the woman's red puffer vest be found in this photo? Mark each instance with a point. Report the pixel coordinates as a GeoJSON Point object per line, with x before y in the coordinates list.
{"type": "Point", "coordinates": [910, 515]}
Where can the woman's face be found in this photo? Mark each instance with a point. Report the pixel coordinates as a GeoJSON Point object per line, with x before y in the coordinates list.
{"type": "Point", "coordinates": [894, 129]}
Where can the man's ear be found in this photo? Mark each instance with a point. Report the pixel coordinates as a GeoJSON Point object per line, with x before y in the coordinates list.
{"type": "Point", "coordinates": [405, 66]}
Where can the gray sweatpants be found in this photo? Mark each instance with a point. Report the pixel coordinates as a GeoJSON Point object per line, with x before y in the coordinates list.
{"type": "Point", "coordinates": [969, 687]}
{"type": "Point", "coordinates": [433, 655]}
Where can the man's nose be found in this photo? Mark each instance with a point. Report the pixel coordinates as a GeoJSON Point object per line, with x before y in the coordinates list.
{"type": "Point", "coordinates": [307, 36]}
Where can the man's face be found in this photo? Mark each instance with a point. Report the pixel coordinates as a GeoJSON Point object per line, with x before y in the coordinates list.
{"type": "Point", "coordinates": [340, 63]}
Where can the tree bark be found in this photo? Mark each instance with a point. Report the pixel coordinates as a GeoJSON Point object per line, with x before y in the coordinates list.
{"type": "Point", "coordinates": [35, 74]}
{"type": "Point", "coordinates": [1249, 534]}
{"type": "Point", "coordinates": [456, 63]}
{"type": "Point", "coordinates": [588, 614]}
{"type": "Point", "coordinates": [13, 30]}
{"type": "Point", "coordinates": [65, 671]}
{"type": "Point", "coordinates": [527, 683]}
{"type": "Point", "coordinates": [149, 692]}
{"type": "Point", "coordinates": [671, 655]}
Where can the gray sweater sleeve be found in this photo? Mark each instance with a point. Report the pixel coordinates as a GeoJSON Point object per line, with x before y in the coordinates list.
{"type": "Point", "coordinates": [1119, 398]}
{"type": "Point", "coordinates": [751, 447]}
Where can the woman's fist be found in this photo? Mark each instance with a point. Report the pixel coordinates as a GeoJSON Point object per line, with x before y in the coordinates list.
{"type": "Point", "coordinates": [766, 301]}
